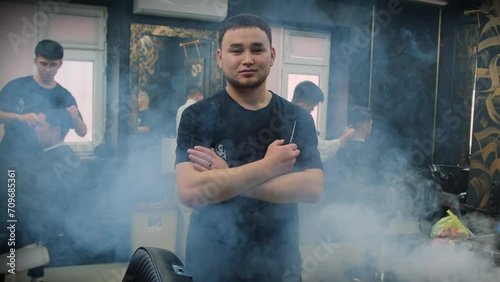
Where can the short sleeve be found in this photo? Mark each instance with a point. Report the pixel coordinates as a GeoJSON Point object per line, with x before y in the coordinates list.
{"type": "Point", "coordinates": [69, 100]}
{"type": "Point", "coordinates": [306, 139]}
{"type": "Point", "coordinates": [195, 129]}
{"type": "Point", "coordinates": [9, 97]}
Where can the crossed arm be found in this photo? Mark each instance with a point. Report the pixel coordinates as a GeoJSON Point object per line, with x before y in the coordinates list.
{"type": "Point", "coordinates": [267, 179]}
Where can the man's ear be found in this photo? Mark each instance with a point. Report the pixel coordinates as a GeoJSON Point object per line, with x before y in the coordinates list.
{"type": "Point", "coordinates": [219, 57]}
{"type": "Point", "coordinates": [273, 55]}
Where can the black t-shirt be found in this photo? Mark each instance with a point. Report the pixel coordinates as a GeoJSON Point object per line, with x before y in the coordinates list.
{"type": "Point", "coordinates": [146, 118]}
{"type": "Point", "coordinates": [24, 95]}
{"type": "Point", "coordinates": [244, 239]}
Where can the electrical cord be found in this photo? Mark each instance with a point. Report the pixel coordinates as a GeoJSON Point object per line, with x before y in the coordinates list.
{"type": "Point", "coordinates": [494, 186]}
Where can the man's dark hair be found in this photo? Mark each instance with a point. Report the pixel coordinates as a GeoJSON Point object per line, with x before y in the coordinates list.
{"type": "Point", "coordinates": [359, 115]}
{"type": "Point", "coordinates": [244, 20]}
{"type": "Point", "coordinates": [307, 92]}
{"type": "Point", "coordinates": [192, 90]}
{"type": "Point", "coordinates": [59, 118]}
{"type": "Point", "coordinates": [49, 49]}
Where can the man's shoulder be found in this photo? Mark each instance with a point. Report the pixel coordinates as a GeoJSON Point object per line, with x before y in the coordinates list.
{"type": "Point", "coordinates": [21, 81]}
{"type": "Point", "coordinates": [283, 105]}
{"type": "Point", "coordinates": [24, 79]}
{"type": "Point", "coordinates": [62, 90]}
{"type": "Point", "coordinates": [209, 103]}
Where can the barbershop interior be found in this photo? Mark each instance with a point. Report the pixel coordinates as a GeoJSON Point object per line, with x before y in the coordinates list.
{"type": "Point", "coordinates": [427, 70]}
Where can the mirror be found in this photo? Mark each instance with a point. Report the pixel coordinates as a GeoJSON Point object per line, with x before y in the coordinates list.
{"type": "Point", "coordinates": [164, 61]}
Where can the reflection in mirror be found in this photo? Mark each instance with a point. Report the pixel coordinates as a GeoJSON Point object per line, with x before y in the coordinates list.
{"type": "Point", "coordinates": [164, 61]}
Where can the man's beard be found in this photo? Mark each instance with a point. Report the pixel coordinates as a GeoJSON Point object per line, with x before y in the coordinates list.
{"type": "Point", "coordinates": [245, 86]}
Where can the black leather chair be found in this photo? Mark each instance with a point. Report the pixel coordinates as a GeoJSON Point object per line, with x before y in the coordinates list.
{"type": "Point", "coordinates": [150, 264]}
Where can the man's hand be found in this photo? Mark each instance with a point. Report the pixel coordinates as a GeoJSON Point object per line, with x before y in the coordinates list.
{"type": "Point", "coordinates": [281, 158]}
{"type": "Point", "coordinates": [78, 124]}
{"type": "Point", "coordinates": [347, 135]}
{"type": "Point", "coordinates": [73, 111]}
{"type": "Point", "coordinates": [204, 159]}
{"type": "Point", "coordinates": [30, 118]}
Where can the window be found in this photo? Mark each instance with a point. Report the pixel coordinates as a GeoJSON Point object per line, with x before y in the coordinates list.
{"type": "Point", "coordinates": [306, 56]}
{"type": "Point", "coordinates": [82, 90]}
{"type": "Point", "coordinates": [81, 30]}
{"type": "Point", "coordinates": [295, 78]}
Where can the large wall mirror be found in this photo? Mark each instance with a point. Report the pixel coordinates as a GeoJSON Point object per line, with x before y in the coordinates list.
{"type": "Point", "coordinates": [164, 61]}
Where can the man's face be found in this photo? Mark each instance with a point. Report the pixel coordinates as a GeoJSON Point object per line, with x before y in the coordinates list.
{"type": "Point", "coordinates": [45, 134]}
{"type": "Point", "coordinates": [245, 57]}
{"type": "Point", "coordinates": [47, 69]}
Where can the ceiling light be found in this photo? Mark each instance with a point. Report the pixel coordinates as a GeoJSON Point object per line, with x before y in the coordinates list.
{"type": "Point", "coordinates": [434, 2]}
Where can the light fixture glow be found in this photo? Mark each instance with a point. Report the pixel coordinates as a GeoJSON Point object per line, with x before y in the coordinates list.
{"type": "Point", "coordinates": [434, 2]}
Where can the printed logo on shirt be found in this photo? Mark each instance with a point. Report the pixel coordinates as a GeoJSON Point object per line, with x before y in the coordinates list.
{"type": "Point", "coordinates": [221, 152]}
{"type": "Point", "coordinates": [20, 106]}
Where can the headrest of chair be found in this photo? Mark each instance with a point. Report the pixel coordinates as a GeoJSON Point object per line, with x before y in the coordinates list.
{"type": "Point", "coordinates": [150, 264]}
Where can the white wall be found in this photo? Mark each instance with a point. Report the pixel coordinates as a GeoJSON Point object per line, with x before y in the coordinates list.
{"type": "Point", "coordinates": [17, 42]}
{"type": "Point", "coordinates": [274, 78]}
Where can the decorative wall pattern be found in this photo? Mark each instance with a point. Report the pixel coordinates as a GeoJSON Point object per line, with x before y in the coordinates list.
{"type": "Point", "coordinates": [165, 60]}
{"type": "Point", "coordinates": [485, 161]}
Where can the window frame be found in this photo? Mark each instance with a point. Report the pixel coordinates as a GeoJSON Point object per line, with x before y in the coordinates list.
{"type": "Point", "coordinates": [322, 73]}
{"type": "Point", "coordinates": [85, 148]}
{"type": "Point", "coordinates": [317, 65]}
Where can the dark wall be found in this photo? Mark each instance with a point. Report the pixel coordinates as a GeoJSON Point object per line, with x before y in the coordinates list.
{"type": "Point", "coordinates": [403, 80]}
{"type": "Point", "coordinates": [460, 35]}
{"type": "Point", "coordinates": [117, 72]}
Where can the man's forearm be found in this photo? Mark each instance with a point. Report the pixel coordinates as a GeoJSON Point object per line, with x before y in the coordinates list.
{"type": "Point", "coordinates": [6, 117]}
{"type": "Point", "coordinates": [328, 148]}
{"type": "Point", "coordinates": [80, 127]}
{"type": "Point", "coordinates": [214, 186]}
{"type": "Point", "coordinates": [305, 186]}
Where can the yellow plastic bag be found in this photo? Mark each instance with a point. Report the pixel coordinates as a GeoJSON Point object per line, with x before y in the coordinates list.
{"type": "Point", "coordinates": [449, 227]}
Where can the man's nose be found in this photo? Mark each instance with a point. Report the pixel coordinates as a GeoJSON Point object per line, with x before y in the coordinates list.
{"type": "Point", "coordinates": [248, 58]}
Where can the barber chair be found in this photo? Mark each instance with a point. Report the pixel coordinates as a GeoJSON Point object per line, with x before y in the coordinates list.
{"type": "Point", "coordinates": [28, 257]}
{"type": "Point", "coordinates": [150, 264]}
